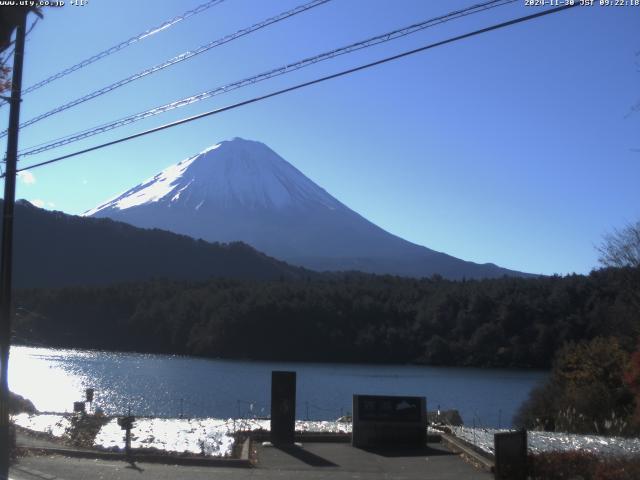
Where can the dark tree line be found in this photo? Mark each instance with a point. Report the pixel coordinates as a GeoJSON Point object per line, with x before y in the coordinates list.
{"type": "Point", "coordinates": [590, 391]}
{"type": "Point", "coordinates": [508, 322]}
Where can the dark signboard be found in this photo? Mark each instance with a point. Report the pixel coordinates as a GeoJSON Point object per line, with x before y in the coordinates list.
{"type": "Point", "coordinates": [283, 407]}
{"type": "Point", "coordinates": [126, 423]}
{"type": "Point", "coordinates": [380, 420]}
{"type": "Point", "coordinates": [383, 408]}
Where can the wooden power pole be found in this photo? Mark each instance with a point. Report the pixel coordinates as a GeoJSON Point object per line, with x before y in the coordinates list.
{"type": "Point", "coordinates": [6, 252]}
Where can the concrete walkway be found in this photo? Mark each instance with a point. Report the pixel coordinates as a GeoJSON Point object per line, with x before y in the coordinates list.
{"type": "Point", "coordinates": [312, 461]}
{"type": "Point", "coordinates": [30, 440]}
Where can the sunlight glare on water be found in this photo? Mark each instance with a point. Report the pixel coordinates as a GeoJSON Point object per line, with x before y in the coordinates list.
{"type": "Point", "coordinates": [40, 375]}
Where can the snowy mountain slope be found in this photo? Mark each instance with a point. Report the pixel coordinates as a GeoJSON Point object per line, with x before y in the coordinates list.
{"type": "Point", "coordinates": [242, 190]}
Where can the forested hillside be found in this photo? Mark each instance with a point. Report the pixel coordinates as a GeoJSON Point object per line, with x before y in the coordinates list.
{"type": "Point", "coordinates": [353, 318]}
{"type": "Point", "coordinates": [53, 249]}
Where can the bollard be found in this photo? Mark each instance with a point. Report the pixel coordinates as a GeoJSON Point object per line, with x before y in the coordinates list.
{"type": "Point", "coordinates": [511, 455]}
{"type": "Point", "coordinates": [89, 397]}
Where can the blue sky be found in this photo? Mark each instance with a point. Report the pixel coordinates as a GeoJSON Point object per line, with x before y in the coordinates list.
{"type": "Point", "coordinates": [516, 147]}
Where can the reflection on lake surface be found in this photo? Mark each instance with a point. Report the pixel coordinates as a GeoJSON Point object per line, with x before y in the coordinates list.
{"type": "Point", "coordinates": [166, 386]}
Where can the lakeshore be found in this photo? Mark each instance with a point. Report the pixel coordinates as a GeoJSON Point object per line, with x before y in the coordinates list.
{"type": "Point", "coordinates": [215, 437]}
{"type": "Point", "coordinates": [170, 386]}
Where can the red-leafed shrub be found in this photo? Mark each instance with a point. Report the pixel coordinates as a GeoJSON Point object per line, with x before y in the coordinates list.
{"type": "Point", "coordinates": [561, 465]}
{"type": "Point", "coordinates": [632, 379]}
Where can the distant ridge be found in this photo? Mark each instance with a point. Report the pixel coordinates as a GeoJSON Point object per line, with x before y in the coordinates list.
{"type": "Point", "coordinates": [241, 190]}
{"type": "Point", "coordinates": [53, 249]}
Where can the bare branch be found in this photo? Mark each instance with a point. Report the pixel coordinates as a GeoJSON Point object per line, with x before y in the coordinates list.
{"type": "Point", "coordinates": [622, 247]}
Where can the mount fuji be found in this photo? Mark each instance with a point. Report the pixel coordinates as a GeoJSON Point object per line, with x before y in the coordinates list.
{"type": "Point", "coordinates": [241, 190]}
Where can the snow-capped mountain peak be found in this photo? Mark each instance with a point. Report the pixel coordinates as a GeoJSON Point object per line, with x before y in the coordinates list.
{"type": "Point", "coordinates": [237, 172]}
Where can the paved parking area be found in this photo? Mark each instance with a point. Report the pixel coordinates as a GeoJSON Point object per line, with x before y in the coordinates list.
{"type": "Point", "coordinates": [341, 460]}
{"type": "Point", "coordinates": [311, 461]}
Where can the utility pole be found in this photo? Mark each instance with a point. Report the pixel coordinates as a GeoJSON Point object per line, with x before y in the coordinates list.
{"type": "Point", "coordinates": [7, 243]}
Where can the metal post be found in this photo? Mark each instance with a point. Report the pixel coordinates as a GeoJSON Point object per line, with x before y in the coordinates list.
{"type": "Point", "coordinates": [474, 429]}
{"type": "Point", "coordinates": [127, 443]}
{"type": "Point", "coordinates": [7, 244]}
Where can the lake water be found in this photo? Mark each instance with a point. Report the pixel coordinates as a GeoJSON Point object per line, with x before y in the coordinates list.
{"type": "Point", "coordinates": [166, 386]}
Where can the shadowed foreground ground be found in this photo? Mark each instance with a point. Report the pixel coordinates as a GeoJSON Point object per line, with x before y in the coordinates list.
{"type": "Point", "coordinates": [313, 461]}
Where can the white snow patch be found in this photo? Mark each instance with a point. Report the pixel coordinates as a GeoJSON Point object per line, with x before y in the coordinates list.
{"type": "Point", "coordinates": [209, 436]}
{"type": "Point", "coordinates": [213, 436]}
{"type": "Point", "coordinates": [52, 424]}
{"type": "Point", "coordinates": [157, 187]}
{"type": "Point", "coordinates": [539, 442]}
{"type": "Point", "coordinates": [177, 195]}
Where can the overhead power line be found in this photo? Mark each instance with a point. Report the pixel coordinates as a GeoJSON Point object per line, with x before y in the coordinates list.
{"type": "Point", "coordinates": [122, 45]}
{"type": "Point", "coordinates": [386, 37]}
{"type": "Point", "coordinates": [175, 60]}
{"type": "Point", "coordinates": [303, 85]}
